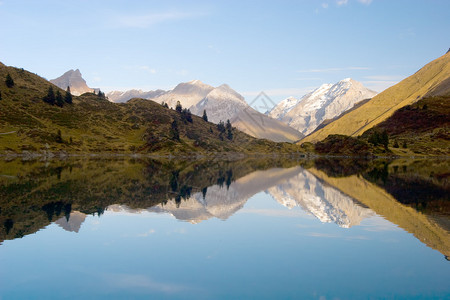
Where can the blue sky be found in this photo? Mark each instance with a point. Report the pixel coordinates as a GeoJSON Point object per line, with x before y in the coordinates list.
{"type": "Point", "coordinates": [281, 47]}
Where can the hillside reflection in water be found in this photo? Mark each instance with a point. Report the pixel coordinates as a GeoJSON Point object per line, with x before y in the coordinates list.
{"type": "Point", "coordinates": [406, 194]}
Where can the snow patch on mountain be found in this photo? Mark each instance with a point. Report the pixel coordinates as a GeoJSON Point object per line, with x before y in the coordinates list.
{"type": "Point", "coordinates": [326, 102]}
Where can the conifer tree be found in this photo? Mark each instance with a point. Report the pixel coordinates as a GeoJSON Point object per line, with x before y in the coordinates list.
{"type": "Point", "coordinates": [9, 81]}
{"type": "Point", "coordinates": [205, 117]}
{"type": "Point", "coordinates": [68, 96]}
{"type": "Point", "coordinates": [178, 108]}
{"type": "Point", "coordinates": [59, 101]}
{"type": "Point", "coordinates": [50, 97]}
{"type": "Point", "coordinates": [0, 95]}
{"type": "Point", "coordinates": [229, 130]}
{"type": "Point", "coordinates": [175, 131]}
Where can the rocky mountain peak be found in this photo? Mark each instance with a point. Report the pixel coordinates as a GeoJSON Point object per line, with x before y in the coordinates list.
{"type": "Point", "coordinates": [325, 102]}
{"type": "Point", "coordinates": [74, 80]}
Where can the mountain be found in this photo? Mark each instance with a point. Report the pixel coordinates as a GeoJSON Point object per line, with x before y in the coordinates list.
{"type": "Point", "coordinates": [319, 199]}
{"type": "Point", "coordinates": [432, 78]}
{"type": "Point", "coordinates": [72, 222]}
{"type": "Point", "coordinates": [188, 93]}
{"type": "Point", "coordinates": [93, 124]}
{"type": "Point", "coordinates": [223, 103]}
{"type": "Point", "coordinates": [74, 80]}
{"type": "Point", "coordinates": [325, 102]}
{"type": "Point", "coordinates": [119, 96]}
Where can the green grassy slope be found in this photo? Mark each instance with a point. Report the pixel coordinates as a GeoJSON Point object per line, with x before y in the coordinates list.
{"type": "Point", "coordinates": [92, 124]}
{"type": "Point", "coordinates": [382, 106]}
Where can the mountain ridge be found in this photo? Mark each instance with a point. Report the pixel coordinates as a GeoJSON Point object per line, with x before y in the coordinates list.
{"type": "Point", "coordinates": [325, 102]}
{"type": "Point", "coordinates": [379, 108]}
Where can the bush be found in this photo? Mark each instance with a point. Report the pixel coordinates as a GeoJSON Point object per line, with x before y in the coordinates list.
{"type": "Point", "coordinates": [9, 81]}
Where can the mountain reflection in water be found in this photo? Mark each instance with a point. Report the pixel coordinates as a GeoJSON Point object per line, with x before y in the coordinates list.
{"type": "Point", "coordinates": [345, 192]}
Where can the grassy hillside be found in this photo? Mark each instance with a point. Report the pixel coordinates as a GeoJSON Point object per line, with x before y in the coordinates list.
{"type": "Point", "coordinates": [421, 128]}
{"type": "Point", "coordinates": [382, 106]}
{"type": "Point", "coordinates": [93, 124]}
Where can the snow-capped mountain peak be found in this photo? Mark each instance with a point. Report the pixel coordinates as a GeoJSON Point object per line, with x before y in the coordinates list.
{"type": "Point", "coordinates": [326, 102]}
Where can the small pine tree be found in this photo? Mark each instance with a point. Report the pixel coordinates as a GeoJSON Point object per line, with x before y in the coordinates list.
{"type": "Point", "coordinates": [68, 96]}
{"type": "Point", "coordinates": [175, 131]}
{"type": "Point", "coordinates": [404, 145]}
{"type": "Point", "coordinates": [384, 139]}
{"type": "Point", "coordinates": [229, 130]}
{"type": "Point", "coordinates": [178, 108]}
{"type": "Point", "coordinates": [396, 145]}
{"type": "Point", "coordinates": [59, 137]}
{"type": "Point", "coordinates": [221, 127]}
{"type": "Point", "coordinates": [0, 95]}
{"type": "Point", "coordinates": [101, 94]}
{"type": "Point", "coordinates": [59, 101]}
{"type": "Point", "coordinates": [9, 81]}
{"type": "Point", "coordinates": [205, 117]}
{"type": "Point", "coordinates": [50, 97]}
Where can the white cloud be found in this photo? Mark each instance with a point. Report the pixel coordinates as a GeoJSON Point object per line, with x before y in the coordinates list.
{"type": "Point", "coordinates": [366, 2]}
{"type": "Point", "coordinates": [145, 234]}
{"type": "Point", "coordinates": [280, 92]}
{"type": "Point", "coordinates": [325, 5]}
{"type": "Point", "coordinates": [147, 20]}
{"type": "Point", "coordinates": [341, 2]}
{"type": "Point", "coordinates": [213, 48]}
{"type": "Point", "coordinates": [307, 78]}
{"type": "Point", "coordinates": [130, 281]}
{"type": "Point", "coordinates": [148, 69]}
{"type": "Point", "coordinates": [379, 85]}
{"type": "Point", "coordinates": [182, 72]}
{"type": "Point", "coordinates": [329, 70]}
{"type": "Point", "coordinates": [385, 77]}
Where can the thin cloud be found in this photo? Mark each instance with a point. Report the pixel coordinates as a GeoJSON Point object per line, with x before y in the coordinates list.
{"type": "Point", "coordinates": [280, 92]}
{"type": "Point", "coordinates": [324, 5]}
{"type": "Point", "coordinates": [384, 77]}
{"type": "Point", "coordinates": [148, 20]}
{"type": "Point", "coordinates": [341, 2]}
{"type": "Point", "coordinates": [329, 70]}
{"type": "Point", "coordinates": [366, 2]}
{"type": "Point", "coordinates": [148, 69]}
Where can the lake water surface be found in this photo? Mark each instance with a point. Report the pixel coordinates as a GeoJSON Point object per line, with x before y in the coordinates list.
{"type": "Point", "coordinates": [250, 229]}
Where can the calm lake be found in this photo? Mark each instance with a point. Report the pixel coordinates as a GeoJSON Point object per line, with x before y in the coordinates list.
{"type": "Point", "coordinates": [276, 228]}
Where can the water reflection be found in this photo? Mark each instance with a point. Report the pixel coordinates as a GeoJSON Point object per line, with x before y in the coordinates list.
{"type": "Point", "coordinates": [411, 194]}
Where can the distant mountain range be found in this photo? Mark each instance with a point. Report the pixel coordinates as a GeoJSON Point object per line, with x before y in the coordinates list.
{"type": "Point", "coordinates": [346, 107]}
{"type": "Point", "coordinates": [221, 103]}
{"type": "Point", "coordinates": [326, 102]}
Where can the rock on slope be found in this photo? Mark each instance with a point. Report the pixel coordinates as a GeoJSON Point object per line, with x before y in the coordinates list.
{"type": "Point", "coordinates": [382, 106]}
{"type": "Point", "coordinates": [326, 102]}
{"type": "Point", "coordinates": [74, 80]}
